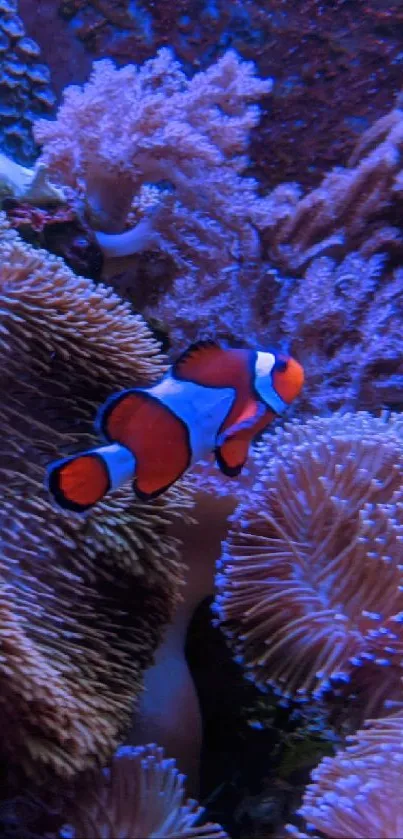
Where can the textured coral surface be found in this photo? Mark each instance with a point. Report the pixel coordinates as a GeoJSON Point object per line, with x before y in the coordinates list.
{"type": "Point", "coordinates": [25, 86]}
{"type": "Point", "coordinates": [298, 592]}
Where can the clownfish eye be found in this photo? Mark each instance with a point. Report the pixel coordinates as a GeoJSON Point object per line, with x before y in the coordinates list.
{"type": "Point", "coordinates": [280, 364]}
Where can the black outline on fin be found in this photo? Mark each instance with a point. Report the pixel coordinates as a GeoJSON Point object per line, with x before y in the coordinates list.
{"type": "Point", "coordinates": [105, 410]}
{"type": "Point", "coordinates": [230, 471]}
{"type": "Point", "coordinates": [52, 482]}
{"type": "Point", "coordinates": [102, 419]}
{"type": "Point", "coordinates": [149, 496]}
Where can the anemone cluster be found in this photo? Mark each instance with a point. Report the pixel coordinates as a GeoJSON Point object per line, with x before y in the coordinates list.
{"type": "Point", "coordinates": [83, 601]}
{"type": "Point", "coordinates": [357, 793]}
{"type": "Point", "coordinates": [298, 593]}
{"type": "Point", "coordinates": [310, 598]}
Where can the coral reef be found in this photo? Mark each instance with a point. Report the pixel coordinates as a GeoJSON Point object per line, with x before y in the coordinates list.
{"type": "Point", "coordinates": [184, 137]}
{"type": "Point", "coordinates": [347, 54]}
{"type": "Point", "coordinates": [357, 792]}
{"type": "Point", "coordinates": [84, 600]}
{"type": "Point", "coordinates": [141, 794]}
{"type": "Point", "coordinates": [215, 219]}
{"type": "Point", "coordinates": [25, 90]}
{"type": "Point", "coordinates": [299, 595]}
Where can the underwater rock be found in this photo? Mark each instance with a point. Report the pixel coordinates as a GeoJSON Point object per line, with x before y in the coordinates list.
{"type": "Point", "coordinates": [25, 90]}
{"type": "Point", "coordinates": [309, 586]}
{"type": "Point", "coordinates": [84, 599]}
{"type": "Point", "coordinates": [61, 231]}
{"type": "Point", "coordinates": [30, 185]}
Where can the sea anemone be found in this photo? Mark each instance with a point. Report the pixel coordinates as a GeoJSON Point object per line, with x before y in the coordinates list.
{"type": "Point", "coordinates": [83, 599]}
{"type": "Point", "coordinates": [357, 793]}
{"type": "Point", "coordinates": [309, 587]}
{"type": "Point", "coordinates": [141, 795]}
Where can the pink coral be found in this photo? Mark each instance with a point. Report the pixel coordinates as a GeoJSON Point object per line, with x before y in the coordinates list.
{"type": "Point", "coordinates": [131, 128]}
{"type": "Point", "coordinates": [135, 126]}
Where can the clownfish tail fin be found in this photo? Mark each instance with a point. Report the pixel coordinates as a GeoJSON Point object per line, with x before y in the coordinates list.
{"type": "Point", "coordinates": [78, 482]}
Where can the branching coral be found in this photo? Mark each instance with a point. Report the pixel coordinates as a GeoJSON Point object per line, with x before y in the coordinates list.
{"type": "Point", "coordinates": [310, 589]}
{"type": "Point", "coordinates": [141, 795]}
{"type": "Point", "coordinates": [355, 208]}
{"type": "Point", "coordinates": [357, 793]}
{"type": "Point", "coordinates": [340, 313]}
{"type": "Point", "coordinates": [139, 126]}
{"type": "Point", "coordinates": [84, 600]}
{"type": "Point", "coordinates": [189, 132]}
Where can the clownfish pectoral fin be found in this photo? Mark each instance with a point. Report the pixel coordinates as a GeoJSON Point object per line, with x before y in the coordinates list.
{"type": "Point", "coordinates": [202, 363]}
{"type": "Point", "coordinates": [232, 446]}
{"type": "Point", "coordinates": [247, 422]}
{"type": "Point", "coordinates": [80, 481]}
{"type": "Point", "coordinates": [231, 455]}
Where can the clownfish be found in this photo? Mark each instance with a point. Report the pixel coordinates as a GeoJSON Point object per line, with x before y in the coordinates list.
{"type": "Point", "coordinates": [211, 400]}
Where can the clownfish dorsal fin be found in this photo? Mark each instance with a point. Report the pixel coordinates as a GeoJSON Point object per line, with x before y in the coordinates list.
{"type": "Point", "coordinates": [198, 361]}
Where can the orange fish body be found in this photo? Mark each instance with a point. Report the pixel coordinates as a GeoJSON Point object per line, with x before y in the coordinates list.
{"type": "Point", "coordinates": [212, 400]}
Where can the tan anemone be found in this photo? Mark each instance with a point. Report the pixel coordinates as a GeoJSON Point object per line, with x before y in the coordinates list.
{"type": "Point", "coordinates": [141, 795]}
{"type": "Point", "coordinates": [357, 793]}
{"type": "Point", "coordinates": [83, 600]}
{"type": "Point", "coordinates": [309, 588]}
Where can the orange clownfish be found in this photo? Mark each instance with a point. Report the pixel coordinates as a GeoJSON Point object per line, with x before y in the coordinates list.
{"type": "Point", "coordinates": [211, 400]}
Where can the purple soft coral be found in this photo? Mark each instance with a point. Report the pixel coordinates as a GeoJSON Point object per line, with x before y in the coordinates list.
{"type": "Point", "coordinates": [158, 159]}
